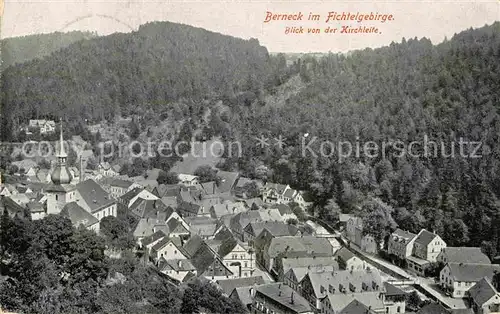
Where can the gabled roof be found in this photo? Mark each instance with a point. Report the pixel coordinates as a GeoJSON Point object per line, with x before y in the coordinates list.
{"type": "Point", "coordinates": [311, 263]}
{"type": "Point", "coordinates": [306, 244]}
{"type": "Point", "coordinates": [209, 187]}
{"type": "Point", "coordinates": [284, 209]}
{"type": "Point", "coordinates": [256, 200]}
{"type": "Point", "coordinates": [466, 255]}
{"type": "Point", "coordinates": [180, 264]}
{"type": "Point", "coordinates": [280, 188]}
{"type": "Point", "coordinates": [472, 272]}
{"type": "Point", "coordinates": [165, 241]}
{"type": "Point", "coordinates": [391, 290]}
{"type": "Point", "coordinates": [127, 197]}
{"type": "Point", "coordinates": [124, 184]}
{"type": "Point", "coordinates": [193, 245]}
{"type": "Point", "coordinates": [143, 208]}
{"type": "Point", "coordinates": [94, 195]}
{"type": "Point", "coordinates": [344, 254]}
{"type": "Point", "coordinates": [6, 203]}
{"type": "Point", "coordinates": [277, 229]}
{"type": "Point", "coordinates": [243, 295]}
{"type": "Point", "coordinates": [356, 307]}
{"type": "Point", "coordinates": [175, 225]}
{"type": "Point", "coordinates": [228, 285]}
{"type": "Point", "coordinates": [228, 179]}
{"type": "Point", "coordinates": [286, 296]}
{"type": "Point", "coordinates": [425, 237]}
{"type": "Point", "coordinates": [483, 291]}
{"type": "Point", "coordinates": [146, 227]}
{"type": "Point", "coordinates": [78, 215]}
{"type": "Point", "coordinates": [241, 220]}
{"type": "Point", "coordinates": [404, 234]}
{"type": "Point", "coordinates": [360, 281]}
{"type": "Point", "coordinates": [152, 238]}
{"type": "Point", "coordinates": [204, 258]}
{"type": "Point", "coordinates": [433, 308]}
{"type": "Point", "coordinates": [290, 193]}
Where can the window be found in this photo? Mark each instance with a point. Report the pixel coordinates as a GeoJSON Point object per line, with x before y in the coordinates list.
{"type": "Point", "coordinates": [57, 197]}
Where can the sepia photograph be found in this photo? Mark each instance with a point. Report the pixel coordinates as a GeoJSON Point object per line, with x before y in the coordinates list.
{"type": "Point", "coordinates": [249, 156]}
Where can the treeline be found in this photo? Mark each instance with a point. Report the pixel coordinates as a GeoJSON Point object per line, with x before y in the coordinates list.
{"type": "Point", "coordinates": [47, 266]}
{"type": "Point", "coordinates": [22, 49]}
{"type": "Point", "coordinates": [401, 92]}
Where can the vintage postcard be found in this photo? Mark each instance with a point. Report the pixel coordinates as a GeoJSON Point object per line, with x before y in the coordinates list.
{"type": "Point", "coordinates": [250, 156]}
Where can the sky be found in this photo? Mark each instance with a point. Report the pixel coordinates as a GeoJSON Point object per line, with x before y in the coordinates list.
{"type": "Point", "coordinates": [245, 19]}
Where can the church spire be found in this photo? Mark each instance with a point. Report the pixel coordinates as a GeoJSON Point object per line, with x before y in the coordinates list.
{"type": "Point", "coordinates": [62, 153]}
{"type": "Point", "coordinates": [61, 174]}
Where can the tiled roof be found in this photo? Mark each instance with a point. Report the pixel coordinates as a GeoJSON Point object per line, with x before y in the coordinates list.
{"type": "Point", "coordinates": [391, 290]}
{"type": "Point", "coordinates": [284, 295]}
{"type": "Point", "coordinates": [356, 307]}
{"type": "Point", "coordinates": [228, 285]}
{"type": "Point", "coordinates": [289, 193]}
{"type": "Point", "coordinates": [277, 229]}
{"type": "Point", "coordinates": [180, 264]}
{"type": "Point", "coordinates": [425, 237]}
{"type": "Point", "coordinates": [154, 237]}
{"type": "Point", "coordinates": [121, 183]}
{"type": "Point", "coordinates": [228, 180]}
{"type": "Point", "coordinates": [193, 245]}
{"type": "Point", "coordinates": [358, 280]}
{"type": "Point", "coordinates": [466, 255]}
{"type": "Point", "coordinates": [78, 215]}
{"type": "Point", "coordinates": [344, 254]}
{"type": "Point", "coordinates": [483, 291]}
{"type": "Point", "coordinates": [94, 195]}
{"type": "Point", "coordinates": [433, 308]}
{"type": "Point", "coordinates": [307, 244]}
{"type": "Point", "coordinates": [404, 234]}
{"type": "Point", "coordinates": [472, 272]}
{"type": "Point", "coordinates": [127, 197]}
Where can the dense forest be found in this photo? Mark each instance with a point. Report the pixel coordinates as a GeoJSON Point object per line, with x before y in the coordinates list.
{"type": "Point", "coordinates": [402, 92]}
{"type": "Point", "coordinates": [48, 266]}
{"type": "Point", "coordinates": [149, 68]}
{"type": "Point", "coordinates": [22, 49]}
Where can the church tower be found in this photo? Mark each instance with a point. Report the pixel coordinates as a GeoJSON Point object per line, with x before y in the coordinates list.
{"type": "Point", "coordinates": [61, 191]}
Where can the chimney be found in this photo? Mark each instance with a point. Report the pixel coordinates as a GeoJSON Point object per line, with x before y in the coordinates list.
{"type": "Point", "coordinates": [179, 264]}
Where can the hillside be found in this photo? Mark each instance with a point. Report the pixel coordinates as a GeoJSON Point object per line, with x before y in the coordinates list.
{"type": "Point", "coordinates": [129, 73]}
{"type": "Point", "coordinates": [403, 92]}
{"type": "Point", "coordinates": [26, 48]}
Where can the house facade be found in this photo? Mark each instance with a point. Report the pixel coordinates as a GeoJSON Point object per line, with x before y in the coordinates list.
{"type": "Point", "coordinates": [401, 243]}
{"type": "Point", "coordinates": [459, 278]}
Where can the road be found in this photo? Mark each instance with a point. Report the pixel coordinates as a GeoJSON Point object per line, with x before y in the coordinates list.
{"type": "Point", "coordinates": [426, 284]}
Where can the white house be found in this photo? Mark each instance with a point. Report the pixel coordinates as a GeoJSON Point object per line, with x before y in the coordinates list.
{"type": "Point", "coordinates": [459, 278]}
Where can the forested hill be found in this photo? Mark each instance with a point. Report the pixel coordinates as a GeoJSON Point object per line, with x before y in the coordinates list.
{"type": "Point", "coordinates": [153, 66]}
{"type": "Point", "coordinates": [400, 92]}
{"type": "Point", "coordinates": [22, 49]}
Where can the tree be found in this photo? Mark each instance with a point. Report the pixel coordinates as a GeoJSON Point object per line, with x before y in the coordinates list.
{"type": "Point", "coordinates": [53, 235]}
{"type": "Point", "coordinates": [168, 177]}
{"type": "Point", "coordinates": [87, 259]}
{"type": "Point", "coordinates": [251, 189]}
{"type": "Point", "coordinates": [378, 220]}
{"type": "Point", "coordinates": [206, 173]}
{"type": "Point", "coordinates": [204, 296]}
{"type": "Point", "coordinates": [116, 232]}
{"type": "Point", "coordinates": [413, 300]}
